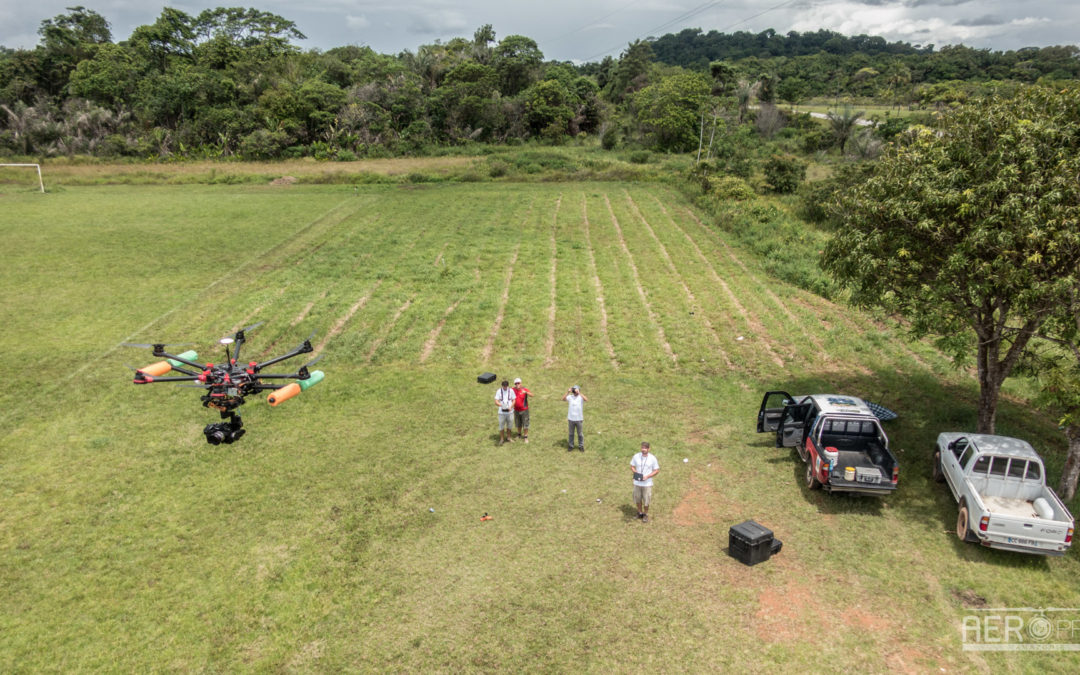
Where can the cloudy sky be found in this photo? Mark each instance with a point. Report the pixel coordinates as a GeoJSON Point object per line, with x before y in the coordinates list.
{"type": "Point", "coordinates": [587, 30]}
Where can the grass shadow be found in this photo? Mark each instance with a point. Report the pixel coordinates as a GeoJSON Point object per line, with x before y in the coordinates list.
{"type": "Point", "coordinates": [629, 512]}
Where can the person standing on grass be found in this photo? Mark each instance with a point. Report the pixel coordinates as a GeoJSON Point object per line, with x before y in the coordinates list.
{"type": "Point", "coordinates": [504, 401]}
{"type": "Point", "coordinates": [644, 466]}
{"type": "Point", "coordinates": [575, 417]}
{"type": "Point", "coordinates": [521, 409]}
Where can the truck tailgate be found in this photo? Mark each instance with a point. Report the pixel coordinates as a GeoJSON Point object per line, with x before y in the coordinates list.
{"type": "Point", "coordinates": [870, 478]}
{"type": "Point", "coordinates": [1015, 524]}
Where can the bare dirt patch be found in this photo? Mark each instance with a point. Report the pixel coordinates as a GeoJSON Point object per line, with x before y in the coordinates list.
{"type": "Point", "coordinates": [284, 180]}
{"type": "Point", "coordinates": [695, 507]}
{"type": "Point", "coordinates": [787, 614]}
{"type": "Point", "coordinates": [969, 598]}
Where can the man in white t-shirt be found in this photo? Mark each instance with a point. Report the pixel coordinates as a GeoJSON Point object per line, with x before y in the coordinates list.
{"type": "Point", "coordinates": [504, 401]}
{"type": "Point", "coordinates": [644, 466]}
{"type": "Point", "coordinates": [575, 417]}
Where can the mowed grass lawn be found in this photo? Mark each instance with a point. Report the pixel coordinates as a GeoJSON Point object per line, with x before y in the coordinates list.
{"type": "Point", "coordinates": [127, 543]}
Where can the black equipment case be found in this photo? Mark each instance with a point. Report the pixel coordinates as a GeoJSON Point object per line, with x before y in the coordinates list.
{"type": "Point", "coordinates": [485, 378]}
{"type": "Point", "coordinates": [751, 543]}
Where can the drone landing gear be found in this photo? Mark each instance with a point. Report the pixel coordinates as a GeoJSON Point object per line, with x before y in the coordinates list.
{"type": "Point", "coordinates": [225, 432]}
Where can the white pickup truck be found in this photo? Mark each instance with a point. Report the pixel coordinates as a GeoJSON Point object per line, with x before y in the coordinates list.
{"type": "Point", "coordinates": [1000, 485]}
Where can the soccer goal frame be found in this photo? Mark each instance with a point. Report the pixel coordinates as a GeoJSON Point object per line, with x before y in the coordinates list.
{"type": "Point", "coordinates": [41, 183]}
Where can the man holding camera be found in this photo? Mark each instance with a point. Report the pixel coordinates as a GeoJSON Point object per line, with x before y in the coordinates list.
{"type": "Point", "coordinates": [575, 417]}
{"type": "Point", "coordinates": [644, 466]}
{"type": "Point", "coordinates": [504, 401]}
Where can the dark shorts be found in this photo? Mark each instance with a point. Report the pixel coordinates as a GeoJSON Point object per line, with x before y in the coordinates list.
{"type": "Point", "coordinates": [521, 419]}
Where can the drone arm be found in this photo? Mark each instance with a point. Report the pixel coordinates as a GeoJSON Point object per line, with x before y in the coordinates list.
{"type": "Point", "coordinates": [143, 378]}
{"type": "Point", "coordinates": [240, 339]}
{"type": "Point", "coordinates": [181, 359]}
{"type": "Point", "coordinates": [302, 349]}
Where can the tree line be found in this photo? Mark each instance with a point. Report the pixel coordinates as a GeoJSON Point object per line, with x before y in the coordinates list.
{"type": "Point", "coordinates": [232, 82]}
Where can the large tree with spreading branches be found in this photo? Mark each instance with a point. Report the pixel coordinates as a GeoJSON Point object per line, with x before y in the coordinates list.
{"type": "Point", "coordinates": [970, 231]}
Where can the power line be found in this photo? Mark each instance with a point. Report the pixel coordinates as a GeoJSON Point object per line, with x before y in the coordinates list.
{"type": "Point", "coordinates": [593, 22]}
{"type": "Point", "coordinates": [689, 15]}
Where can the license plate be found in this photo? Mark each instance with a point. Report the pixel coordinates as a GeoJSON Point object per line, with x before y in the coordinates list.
{"type": "Point", "coordinates": [1022, 542]}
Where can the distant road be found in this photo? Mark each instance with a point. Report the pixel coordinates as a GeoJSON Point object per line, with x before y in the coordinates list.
{"type": "Point", "coordinates": [861, 122]}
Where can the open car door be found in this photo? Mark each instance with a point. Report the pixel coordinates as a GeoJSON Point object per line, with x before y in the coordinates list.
{"type": "Point", "coordinates": [772, 410]}
{"type": "Point", "coordinates": [792, 429]}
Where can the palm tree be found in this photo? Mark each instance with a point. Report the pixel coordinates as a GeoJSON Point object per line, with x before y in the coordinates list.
{"type": "Point", "coordinates": [744, 94]}
{"type": "Point", "coordinates": [20, 119]}
{"type": "Point", "coordinates": [843, 123]}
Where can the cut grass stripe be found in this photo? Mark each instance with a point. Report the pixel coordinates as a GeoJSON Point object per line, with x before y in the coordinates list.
{"type": "Point", "coordinates": [679, 277]}
{"type": "Point", "coordinates": [549, 342]}
{"type": "Point", "coordinates": [486, 354]}
{"type": "Point", "coordinates": [433, 336]}
{"type": "Point", "coordinates": [598, 285]}
{"type": "Point", "coordinates": [339, 324]}
{"type": "Point", "coordinates": [387, 327]}
{"type": "Point", "coordinates": [637, 284]}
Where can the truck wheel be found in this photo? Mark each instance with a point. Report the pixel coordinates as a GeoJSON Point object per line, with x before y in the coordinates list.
{"type": "Point", "coordinates": [811, 480]}
{"type": "Point", "coordinates": [963, 529]}
{"type": "Point", "coordinates": [939, 475]}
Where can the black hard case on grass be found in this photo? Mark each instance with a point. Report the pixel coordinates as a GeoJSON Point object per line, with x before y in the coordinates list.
{"type": "Point", "coordinates": [751, 543]}
{"type": "Point", "coordinates": [485, 378]}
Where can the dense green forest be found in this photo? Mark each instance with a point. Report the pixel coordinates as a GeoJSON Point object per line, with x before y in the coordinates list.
{"type": "Point", "coordinates": [231, 82]}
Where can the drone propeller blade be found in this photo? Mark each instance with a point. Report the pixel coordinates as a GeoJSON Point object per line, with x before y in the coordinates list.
{"type": "Point", "coordinates": [313, 361]}
{"type": "Point", "coordinates": [245, 330]}
{"type": "Point", "coordinates": [142, 345]}
{"type": "Point", "coordinates": [193, 386]}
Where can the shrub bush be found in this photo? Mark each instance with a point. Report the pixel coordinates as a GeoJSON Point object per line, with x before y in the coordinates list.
{"type": "Point", "coordinates": [730, 188]}
{"type": "Point", "coordinates": [784, 173]}
{"type": "Point", "coordinates": [610, 138]}
{"type": "Point", "coordinates": [264, 144]}
{"type": "Point", "coordinates": [640, 157]}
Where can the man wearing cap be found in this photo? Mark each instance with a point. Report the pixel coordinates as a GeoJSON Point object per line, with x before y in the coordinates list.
{"type": "Point", "coordinates": [504, 401]}
{"type": "Point", "coordinates": [575, 417]}
{"type": "Point", "coordinates": [521, 409]}
{"type": "Point", "coordinates": [644, 466]}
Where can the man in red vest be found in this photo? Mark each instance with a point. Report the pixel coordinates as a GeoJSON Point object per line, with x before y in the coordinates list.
{"type": "Point", "coordinates": [521, 409]}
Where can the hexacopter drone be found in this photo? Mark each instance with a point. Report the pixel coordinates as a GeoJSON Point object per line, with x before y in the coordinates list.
{"type": "Point", "coordinates": [227, 384]}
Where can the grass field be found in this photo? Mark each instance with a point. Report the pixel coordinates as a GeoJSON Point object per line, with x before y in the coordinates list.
{"type": "Point", "coordinates": [127, 543]}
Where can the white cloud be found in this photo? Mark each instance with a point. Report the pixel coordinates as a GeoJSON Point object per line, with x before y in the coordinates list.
{"type": "Point", "coordinates": [356, 21]}
{"type": "Point", "coordinates": [437, 22]}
